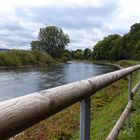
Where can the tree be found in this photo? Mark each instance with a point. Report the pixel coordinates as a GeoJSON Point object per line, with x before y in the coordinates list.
{"type": "Point", "coordinates": [116, 52]}
{"type": "Point", "coordinates": [52, 40]}
{"type": "Point", "coordinates": [67, 54]}
{"type": "Point", "coordinates": [102, 50]}
{"type": "Point", "coordinates": [136, 51]}
{"type": "Point", "coordinates": [36, 45]}
{"type": "Point", "coordinates": [78, 54]}
{"type": "Point", "coordinates": [135, 27]}
{"type": "Point", "coordinates": [87, 53]}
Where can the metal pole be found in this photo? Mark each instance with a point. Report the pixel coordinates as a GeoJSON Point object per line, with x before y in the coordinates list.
{"type": "Point", "coordinates": [139, 87]}
{"type": "Point", "coordinates": [129, 95]}
{"type": "Point", "coordinates": [85, 119]}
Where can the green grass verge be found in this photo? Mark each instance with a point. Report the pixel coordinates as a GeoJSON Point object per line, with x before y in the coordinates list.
{"type": "Point", "coordinates": [106, 108]}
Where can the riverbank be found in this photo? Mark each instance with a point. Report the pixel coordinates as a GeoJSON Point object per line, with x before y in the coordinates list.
{"type": "Point", "coordinates": [106, 107]}
{"type": "Point", "coordinates": [26, 66]}
{"type": "Point", "coordinates": [120, 64]}
{"type": "Point", "coordinates": [20, 58]}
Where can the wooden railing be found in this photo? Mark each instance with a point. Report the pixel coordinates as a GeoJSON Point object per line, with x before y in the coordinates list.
{"type": "Point", "coordinates": [126, 113]}
{"type": "Point", "coordinates": [21, 113]}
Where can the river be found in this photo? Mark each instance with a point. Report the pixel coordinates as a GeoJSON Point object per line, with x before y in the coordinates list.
{"type": "Point", "coordinates": [21, 81]}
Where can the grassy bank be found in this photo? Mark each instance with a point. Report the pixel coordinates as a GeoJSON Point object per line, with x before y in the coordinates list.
{"type": "Point", "coordinates": [106, 108]}
{"type": "Point", "coordinates": [16, 58]}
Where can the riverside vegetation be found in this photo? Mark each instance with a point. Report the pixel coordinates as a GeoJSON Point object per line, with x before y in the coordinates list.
{"type": "Point", "coordinates": [24, 58]}
{"type": "Point", "coordinates": [49, 47]}
{"type": "Point", "coordinates": [52, 42]}
{"type": "Point", "coordinates": [113, 47]}
{"type": "Point", "coordinates": [106, 107]}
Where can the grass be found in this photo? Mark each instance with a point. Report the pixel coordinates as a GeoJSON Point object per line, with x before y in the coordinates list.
{"type": "Point", "coordinates": [106, 107]}
{"type": "Point", "coordinates": [103, 117]}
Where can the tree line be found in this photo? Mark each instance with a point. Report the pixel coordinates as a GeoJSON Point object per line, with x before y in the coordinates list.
{"type": "Point", "coordinates": [113, 47]}
{"type": "Point", "coordinates": [52, 42]}
{"type": "Point", "coordinates": [116, 47]}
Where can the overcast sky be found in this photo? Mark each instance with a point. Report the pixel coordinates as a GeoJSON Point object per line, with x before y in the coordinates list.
{"type": "Point", "coordinates": [86, 21]}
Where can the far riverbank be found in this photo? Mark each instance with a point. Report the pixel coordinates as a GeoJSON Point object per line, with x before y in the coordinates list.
{"type": "Point", "coordinates": [19, 59]}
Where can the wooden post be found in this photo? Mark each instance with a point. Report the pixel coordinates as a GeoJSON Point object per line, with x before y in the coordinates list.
{"type": "Point", "coordinates": [139, 87]}
{"type": "Point", "coordinates": [85, 119]}
{"type": "Point", "coordinates": [129, 96]}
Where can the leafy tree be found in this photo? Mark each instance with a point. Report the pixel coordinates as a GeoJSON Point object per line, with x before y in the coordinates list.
{"type": "Point", "coordinates": [102, 50]}
{"type": "Point", "coordinates": [136, 51]}
{"type": "Point", "coordinates": [126, 46]}
{"type": "Point", "coordinates": [67, 54]}
{"type": "Point", "coordinates": [52, 40]}
{"type": "Point", "coordinates": [87, 53]}
{"type": "Point", "coordinates": [78, 54]}
{"type": "Point", "coordinates": [115, 47]}
{"type": "Point", "coordinates": [116, 51]}
{"type": "Point", "coordinates": [135, 27]}
{"type": "Point", "coordinates": [37, 45]}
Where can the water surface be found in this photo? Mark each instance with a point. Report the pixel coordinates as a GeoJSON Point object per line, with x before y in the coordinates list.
{"type": "Point", "coordinates": [22, 81]}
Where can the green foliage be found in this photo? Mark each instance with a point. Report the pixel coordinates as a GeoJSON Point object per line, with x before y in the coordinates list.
{"type": "Point", "coordinates": [106, 48]}
{"type": "Point", "coordinates": [81, 54]}
{"type": "Point", "coordinates": [21, 58]}
{"type": "Point", "coordinates": [87, 53]}
{"type": "Point", "coordinates": [78, 54]}
{"type": "Point", "coordinates": [135, 27]}
{"type": "Point", "coordinates": [52, 40]}
{"type": "Point", "coordinates": [36, 45]}
{"type": "Point", "coordinates": [115, 47]}
{"type": "Point", "coordinates": [42, 58]}
{"type": "Point", "coordinates": [67, 55]}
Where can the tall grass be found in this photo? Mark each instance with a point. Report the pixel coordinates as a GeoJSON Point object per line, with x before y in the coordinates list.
{"type": "Point", "coordinates": [23, 58]}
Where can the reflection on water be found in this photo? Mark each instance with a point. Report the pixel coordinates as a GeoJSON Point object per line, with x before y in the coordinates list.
{"type": "Point", "coordinates": [21, 81]}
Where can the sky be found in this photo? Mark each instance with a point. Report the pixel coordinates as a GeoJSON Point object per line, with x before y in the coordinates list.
{"type": "Point", "coordinates": [85, 21]}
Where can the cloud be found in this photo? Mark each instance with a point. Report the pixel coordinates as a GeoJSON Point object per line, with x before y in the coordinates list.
{"type": "Point", "coordinates": [85, 22]}
{"type": "Point", "coordinates": [86, 38]}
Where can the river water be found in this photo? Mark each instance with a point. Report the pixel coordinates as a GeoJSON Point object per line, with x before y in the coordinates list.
{"type": "Point", "coordinates": [21, 81]}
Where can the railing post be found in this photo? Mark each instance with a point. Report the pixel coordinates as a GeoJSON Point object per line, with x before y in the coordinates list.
{"type": "Point", "coordinates": [85, 119]}
{"type": "Point", "coordinates": [129, 95]}
{"type": "Point", "coordinates": [139, 87]}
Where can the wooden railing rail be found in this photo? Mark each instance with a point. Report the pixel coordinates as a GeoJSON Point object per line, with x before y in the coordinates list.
{"type": "Point", "coordinates": [135, 89]}
{"type": "Point", "coordinates": [115, 131]}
